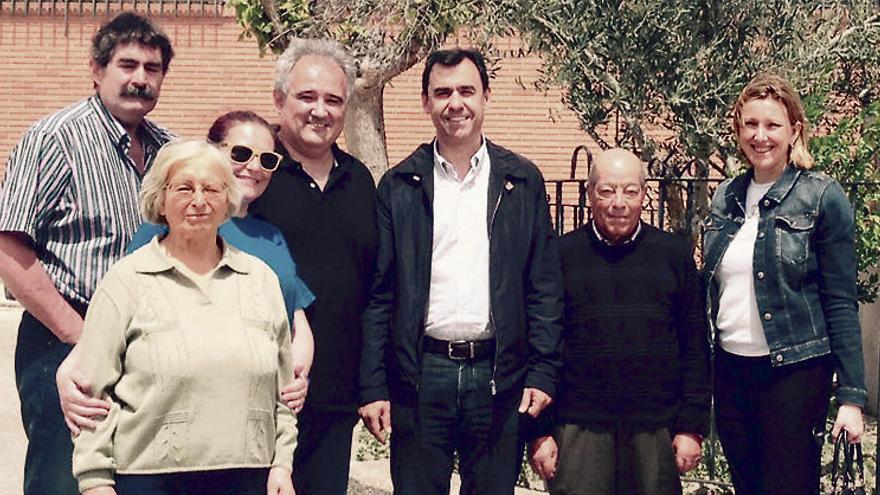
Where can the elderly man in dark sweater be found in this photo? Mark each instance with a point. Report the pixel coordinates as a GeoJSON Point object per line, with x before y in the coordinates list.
{"type": "Point", "coordinates": [634, 396]}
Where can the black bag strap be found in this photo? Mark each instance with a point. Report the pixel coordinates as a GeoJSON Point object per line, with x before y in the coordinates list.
{"type": "Point", "coordinates": [852, 469]}
{"type": "Point", "coordinates": [859, 467]}
{"type": "Point", "coordinates": [839, 445]}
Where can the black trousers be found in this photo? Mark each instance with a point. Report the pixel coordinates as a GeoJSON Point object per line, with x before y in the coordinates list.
{"type": "Point", "coordinates": [771, 422]}
{"type": "Point", "coordinates": [220, 482]}
{"type": "Point", "coordinates": [322, 457]}
{"type": "Point", "coordinates": [47, 466]}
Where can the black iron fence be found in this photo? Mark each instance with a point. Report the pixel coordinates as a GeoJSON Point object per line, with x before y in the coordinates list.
{"type": "Point", "coordinates": [676, 203]}
{"type": "Point", "coordinates": [94, 8]}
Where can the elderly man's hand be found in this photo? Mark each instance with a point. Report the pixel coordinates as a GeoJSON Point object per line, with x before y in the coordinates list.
{"type": "Point", "coordinates": [688, 451]}
{"type": "Point", "coordinates": [534, 401]}
{"type": "Point", "coordinates": [377, 418]}
{"type": "Point", "coordinates": [543, 456]}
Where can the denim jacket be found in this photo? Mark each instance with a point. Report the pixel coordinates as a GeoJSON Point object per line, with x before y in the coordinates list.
{"type": "Point", "coordinates": [804, 270]}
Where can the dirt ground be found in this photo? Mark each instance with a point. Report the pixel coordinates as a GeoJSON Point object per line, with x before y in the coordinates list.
{"type": "Point", "coordinates": [12, 440]}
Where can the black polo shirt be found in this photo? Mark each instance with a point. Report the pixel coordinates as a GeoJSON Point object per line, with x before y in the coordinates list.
{"type": "Point", "coordinates": [332, 237]}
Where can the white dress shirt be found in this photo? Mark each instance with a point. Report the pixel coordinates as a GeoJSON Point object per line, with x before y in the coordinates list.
{"type": "Point", "coordinates": [458, 303]}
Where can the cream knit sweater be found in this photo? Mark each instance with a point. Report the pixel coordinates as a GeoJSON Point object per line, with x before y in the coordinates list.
{"type": "Point", "coordinates": [193, 369]}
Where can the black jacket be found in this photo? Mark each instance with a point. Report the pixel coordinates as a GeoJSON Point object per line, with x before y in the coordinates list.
{"type": "Point", "coordinates": [524, 277]}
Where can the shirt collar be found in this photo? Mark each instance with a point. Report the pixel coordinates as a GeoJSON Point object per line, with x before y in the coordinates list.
{"type": "Point", "coordinates": [154, 135]}
{"type": "Point", "coordinates": [154, 259]}
{"type": "Point", "coordinates": [478, 160]}
{"type": "Point", "coordinates": [290, 163]}
{"type": "Point", "coordinates": [628, 240]}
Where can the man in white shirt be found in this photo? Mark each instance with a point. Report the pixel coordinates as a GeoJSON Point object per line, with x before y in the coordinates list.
{"type": "Point", "coordinates": [462, 331]}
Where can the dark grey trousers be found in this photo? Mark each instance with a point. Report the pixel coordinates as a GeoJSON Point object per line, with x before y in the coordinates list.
{"type": "Point", "coordinates": [614, 459]}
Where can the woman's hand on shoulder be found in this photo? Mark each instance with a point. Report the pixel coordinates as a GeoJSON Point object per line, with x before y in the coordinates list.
{"type": "Point", "coordinates": [280, 482]}
{"type": "Point", "coordinates": [849, 416]}
{"type": "Point", "coordinates": [74, 392]}
{"type": "Point", "coordinates": [100, 490]}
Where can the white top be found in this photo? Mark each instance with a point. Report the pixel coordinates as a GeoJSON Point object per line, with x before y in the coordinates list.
{"type": "Point", "coordinates": [740, 330]}
{"type": "Point", "coordinates": [458, 302]}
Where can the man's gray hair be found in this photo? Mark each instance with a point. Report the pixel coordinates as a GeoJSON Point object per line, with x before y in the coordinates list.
{"type": "Point", "coordinates": [300, 48]}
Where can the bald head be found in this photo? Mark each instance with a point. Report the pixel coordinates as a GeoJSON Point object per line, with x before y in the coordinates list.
{"type": "Point", "coordinates": [616, 192]}
{"type": "Point", "coordinates": [616, 160]}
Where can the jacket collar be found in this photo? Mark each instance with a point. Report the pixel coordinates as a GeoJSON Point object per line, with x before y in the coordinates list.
{"type": "Point", "coordinates": [784, 184]}
{"type": "Point", "coordinates": [154, 260]}
{"type": "Point", "coordinates": [421, 162]}
{"type": "Point", "coordinates": [504, 162]}
{"type": "Point", "coordinates": [736, 191]}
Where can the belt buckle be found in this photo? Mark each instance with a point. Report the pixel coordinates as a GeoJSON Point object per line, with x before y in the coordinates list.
{"type": "Point", "coordinates": [450, 350]}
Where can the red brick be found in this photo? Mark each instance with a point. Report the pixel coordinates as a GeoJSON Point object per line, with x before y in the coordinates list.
{"type": "Point", "coordinates": [42, 70]}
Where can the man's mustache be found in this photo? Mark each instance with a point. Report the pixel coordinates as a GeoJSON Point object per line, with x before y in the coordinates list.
{"type": "Point", "coordinates": [317, 121]}
{"type": "Point", "coordinates": [143, 92]}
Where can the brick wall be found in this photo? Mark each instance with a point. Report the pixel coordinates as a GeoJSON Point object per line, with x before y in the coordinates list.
{"type": "Point", "coordinates": [44, 66]}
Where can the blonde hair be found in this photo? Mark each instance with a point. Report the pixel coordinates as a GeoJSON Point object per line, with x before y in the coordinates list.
{"type": "Point", "coordinates": [152, 196]}
{"type": "Point", "coordinates": [770, 85]}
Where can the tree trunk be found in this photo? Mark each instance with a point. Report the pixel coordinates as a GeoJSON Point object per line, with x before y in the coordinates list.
{"type": "Point", "coordinates": [365, 129]}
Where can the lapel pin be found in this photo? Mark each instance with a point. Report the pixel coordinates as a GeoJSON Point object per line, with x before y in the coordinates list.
{"type": "Point", "coordinates": [508, 185]}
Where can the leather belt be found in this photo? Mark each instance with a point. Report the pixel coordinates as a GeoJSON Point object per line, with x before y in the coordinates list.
{"type": "Point", "coordinates": [460, 350]}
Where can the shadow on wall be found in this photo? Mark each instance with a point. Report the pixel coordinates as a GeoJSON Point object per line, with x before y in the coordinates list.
{"type": "Point", "coordinates": [869, 317]}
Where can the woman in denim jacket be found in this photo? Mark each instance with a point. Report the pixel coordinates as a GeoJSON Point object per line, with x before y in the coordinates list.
{"type": "Point", "coordinates": [780, 271]}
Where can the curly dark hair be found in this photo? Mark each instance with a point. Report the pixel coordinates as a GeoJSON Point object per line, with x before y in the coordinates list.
{"type": "Point", "coordinates": [128, 27]}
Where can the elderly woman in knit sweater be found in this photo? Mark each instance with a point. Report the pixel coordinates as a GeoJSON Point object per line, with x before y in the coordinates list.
{"type": "Point", "coordinates": [189, 339]}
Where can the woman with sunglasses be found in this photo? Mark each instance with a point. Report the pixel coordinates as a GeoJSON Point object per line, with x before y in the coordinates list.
{"type": "Point", "coordinates": [247, 140]}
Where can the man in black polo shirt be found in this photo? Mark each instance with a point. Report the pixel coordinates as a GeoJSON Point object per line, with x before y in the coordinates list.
{"type": "Point", "coordinates": [323, 200]}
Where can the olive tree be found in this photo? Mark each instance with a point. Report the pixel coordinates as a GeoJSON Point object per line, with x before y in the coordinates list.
{"type": "Point", "coordinates": [660, 76]}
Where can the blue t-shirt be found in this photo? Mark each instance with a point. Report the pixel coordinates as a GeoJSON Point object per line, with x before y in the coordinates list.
{"type": "Point", "coordinates": [256, 238]}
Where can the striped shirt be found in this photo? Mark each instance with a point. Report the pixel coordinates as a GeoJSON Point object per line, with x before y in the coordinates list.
{"type": "Point", "coordinates": [72, 188]}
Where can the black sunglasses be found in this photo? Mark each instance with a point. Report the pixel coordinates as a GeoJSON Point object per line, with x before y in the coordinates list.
{"type": "Point", "coordinates": [241, 154]}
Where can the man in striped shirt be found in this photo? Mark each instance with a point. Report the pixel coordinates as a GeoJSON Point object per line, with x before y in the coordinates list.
{"type": "Point", "coordinates": [68, 207]}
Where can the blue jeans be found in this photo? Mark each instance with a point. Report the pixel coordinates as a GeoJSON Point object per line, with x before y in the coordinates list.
{"type": "Point", "coordinates": [47, 467]}
{"type": "Point", "coordinates": [220, 482]}
{"type": "Point", "coordinates": [323, 451]}
{"type": "Point", "coordinates": [455, 411]}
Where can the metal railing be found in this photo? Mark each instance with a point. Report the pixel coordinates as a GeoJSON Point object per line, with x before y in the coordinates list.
{"type": "Point", "coordinates": [94, 8]}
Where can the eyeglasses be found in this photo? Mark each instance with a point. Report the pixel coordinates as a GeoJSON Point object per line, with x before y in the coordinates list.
{"type": "Point", "coordinates": [242, 155]}
{"type": "Point", "coordinates": [186, 190]}
{"type": "Point", "coordinates": [630, 192]}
